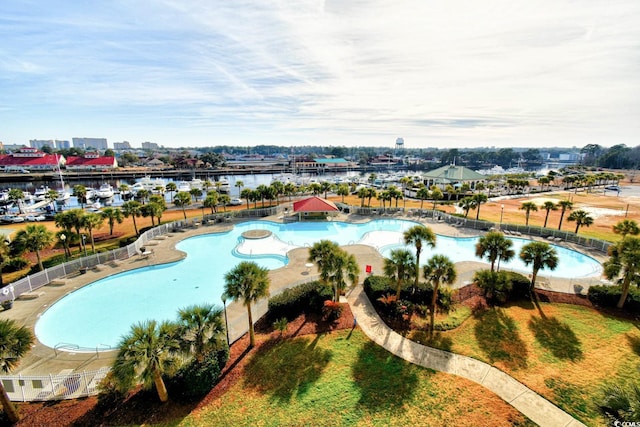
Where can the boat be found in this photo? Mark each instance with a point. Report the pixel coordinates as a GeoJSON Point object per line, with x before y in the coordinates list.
{"type": "Point", "coordinates": [223, 185]}
{"type": "Point", "coordinates": [104, 192]}
{"type": "Point", "coordinates": [183, 186]}
{"type": "Point", "coordinates": [41, 193]}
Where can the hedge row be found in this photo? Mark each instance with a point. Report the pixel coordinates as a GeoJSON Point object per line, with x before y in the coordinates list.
{"type": "Point", "coordinates": [377, 287]}
{"type": "Point", "coordinates": [608, 296]}
{"type": "Point", "coordinates": [302, 298]}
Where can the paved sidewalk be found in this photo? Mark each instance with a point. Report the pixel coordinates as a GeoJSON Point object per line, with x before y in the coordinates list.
{"type": "Point", "coordinates": [531, 404]}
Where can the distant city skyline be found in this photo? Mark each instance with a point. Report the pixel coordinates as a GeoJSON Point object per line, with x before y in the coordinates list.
{"type": "Point", "coordinates": [207, 73]}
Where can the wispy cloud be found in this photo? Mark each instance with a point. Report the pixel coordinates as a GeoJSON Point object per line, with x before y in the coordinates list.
{"type": "Point", "coordinates": [198, 72]}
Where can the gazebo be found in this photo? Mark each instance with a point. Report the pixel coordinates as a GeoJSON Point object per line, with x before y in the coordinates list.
{"type": "Point", "coordinates": [314, 207]}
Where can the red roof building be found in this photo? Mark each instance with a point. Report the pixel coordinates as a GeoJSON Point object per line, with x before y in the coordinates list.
{"type": "Point", "coordinates": [91, 161]}
{"type": "Point", "coordinates": [30, 159]}
{"type": "Point", "coordinates": [314, 206]}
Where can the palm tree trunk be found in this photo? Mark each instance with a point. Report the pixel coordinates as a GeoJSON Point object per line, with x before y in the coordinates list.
{"type": "Point", "coordinates": [135, 226]}
{"type": "Point", "coordinates": [39, 260]}
{"type": "Point", "coordinates": [545, 220]}
{"type": "Point", "coordinates": [432, 312]}
{"type": "Point", "coordinates": [534, 276]}
{"type": "Point", "coordinates": [252, 335]}
{"type": "Point", "coordinates": [478, 212]}
{"type": "Point", "coordinates": [160, 386]}
{"type": "Point", "coordinates": [625, 290]}
{"type": "Point", "coordinates": [561, 217]}
{"type": "Point", "coordinates": [184, 212]}
{"type": "Point", "coordinates": [577, 227]}
{"type": "Point", "coordinates": [7, 406]}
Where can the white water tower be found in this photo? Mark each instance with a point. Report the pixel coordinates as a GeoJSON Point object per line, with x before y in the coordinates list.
{"type": "Point", "coordinates": [399, 144]}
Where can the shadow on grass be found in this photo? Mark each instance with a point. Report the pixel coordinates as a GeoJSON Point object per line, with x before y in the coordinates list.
{"type": "Point", "coordinates": [498, 337]}
{"type": "Point", "coordinates": [386, 382]}
{"type": "Point", "coordinates": [557, 337]}
{"type": "Point", "coordinates": [286, 369]}
{"type": "Point", "coordinates": [439, 340]}
{"type": "Point", "coordinates": [634, 342]}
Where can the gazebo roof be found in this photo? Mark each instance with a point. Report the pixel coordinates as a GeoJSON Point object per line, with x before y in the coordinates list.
{"type": "Point", "coordinates": [453, 173]}
{"type": "Point", "coordinates": [314, 204]}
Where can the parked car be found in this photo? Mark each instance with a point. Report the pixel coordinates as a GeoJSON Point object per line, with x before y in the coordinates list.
{"type": "Point", "coordinates": [612, 188]}
{"type": "Point", "coordinates": [37, 218]}
{"type": "Point", "coordinates": [11, 218]}
{"type": "Point", "coordinates": [236, 202]}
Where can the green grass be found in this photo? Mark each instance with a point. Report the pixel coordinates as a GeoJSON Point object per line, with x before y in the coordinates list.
{"type": "Point", "coordinates": [566, 353]}
{"type": "Point", "coordinates": [344, 379]}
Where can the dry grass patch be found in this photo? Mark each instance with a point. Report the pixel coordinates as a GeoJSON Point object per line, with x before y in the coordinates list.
{"type": "Point", "coordinates": [554, 350]}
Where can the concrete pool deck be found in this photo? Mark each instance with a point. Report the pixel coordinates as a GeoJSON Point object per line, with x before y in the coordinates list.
{"type": "Point", "coordinates": [43, 360]}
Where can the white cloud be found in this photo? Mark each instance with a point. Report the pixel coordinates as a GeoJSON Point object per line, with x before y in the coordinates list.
{"type": "Point", "coordinates": [500, 72]}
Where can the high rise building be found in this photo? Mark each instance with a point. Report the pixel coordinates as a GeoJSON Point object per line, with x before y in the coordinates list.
{"type": "Point", "coordinates": [39, 143]}
{"type": "Point", "coordinates": [149, 146]}
{"type": "Point", "coordinates": [124, 145]}
{"type": "Point", "coordinates": [62, 144]}
{"type": "Point", "coordinates": [84, 143]}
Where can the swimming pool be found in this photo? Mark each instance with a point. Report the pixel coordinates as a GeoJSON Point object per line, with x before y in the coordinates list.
{"type": "Point", "coordinates": [97, 315]}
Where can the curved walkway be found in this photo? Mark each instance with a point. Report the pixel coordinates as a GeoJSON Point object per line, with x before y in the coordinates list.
{"type": "Point", "coordinates": [531, 404]}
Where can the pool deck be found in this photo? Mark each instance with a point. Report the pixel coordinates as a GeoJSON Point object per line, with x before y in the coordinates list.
{"type": "Point", "coordinates": [43, 360]}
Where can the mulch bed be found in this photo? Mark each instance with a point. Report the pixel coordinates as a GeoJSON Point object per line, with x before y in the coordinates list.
{"type": "Point", "coordinates": [143, 407]}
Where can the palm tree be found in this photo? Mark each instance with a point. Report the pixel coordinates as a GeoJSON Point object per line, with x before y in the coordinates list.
{"type": "Point", "coordinates": [479, 199]}
{"type": "Point", "coordinates": [436, 194]}
{"type": "Point", "coordinates": [132, 209]}
{"type": "Point", "coordinates": [224, 200]}
{"type": "Point", "coordinates": [423, 194]}
{"type": "Point", "coordinates": [467, 203]}
{"type": "Point", "coordinates": [527, 207]}
{"type": "Point", "coordinates": [15, 343]}
{"type": "Point", "coordinates": [201, 329]}
{"type": "Point", "coordinates": [564, 206]}
{"type": "Point", "coordinates": [342, 190]}
{"type": "Point", "coordinates": [211, 201]}
{"type": "Point", "coordinates": [247, 282]}
{"type": "Point", "coordinates": [247, 195]}
{"type": "Point", "coordinates": [417, 236]}
{"type": "Point", "coordinates": [182, 200]}
{"type": "Point", "coordinates": [626, 227]}
{"type": "Point", "coordinates": [399, 266]}
{"type": "Point", "coordinates": [16, 196]}
{"type": "Point", "coordinates": [51, 196]}
{"type": "Point", "coordinates": [196, 193]}
{"type": "Point", "coordinates": [4, 254]}
{"type": "Point", "coordinates": [625, 261]}
{"type": "Point", "coordinates": [548, 206]}
{"type": "Point", "coordinates": [171, 187]}
{"type": "Point", "coordinates": [289, 190]}
{"type": "Point", "coordinates": [439, 269]}
{"type": "Point", "coordinates": [66, 221]}
{"type": "Point", "coordinates": [112, 215]}
{"type": "Point", "coordinates": [335, 265]}
{"type": "Point", "coordinates": [622, 403]}
{"type": "Point", "coordinates": [581, 218]}
{"type": "Point", "coordinates": [80, 191]}
{"type": "Point", "coordinates": [146, 353]}
{"type": "Point", "coordinates": [143, 194]}
{"type": "Point", "coordinates": [540, 255]}
{"type": "Point", "coordinates": [91, 222]}
{"type": "Point", "coordinates": [35, 238]}
{"type": "Point", "coordinates": [495, 247]}
{"type": "Point", "coordinates": [239, 185]}
{"type": "Point", "coordinates": [362, 194]}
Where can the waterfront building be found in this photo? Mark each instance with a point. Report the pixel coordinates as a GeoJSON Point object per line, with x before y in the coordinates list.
{"type": "Point", "coordinates": [30, 159]}
{"type": "Point", "coordinates": [452, 175]}
{"type": "Point", "coordinates": [91, 161]}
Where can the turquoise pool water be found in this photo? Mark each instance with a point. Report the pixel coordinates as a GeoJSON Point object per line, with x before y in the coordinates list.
{"type": "Point", "coordinates": [97, 315]}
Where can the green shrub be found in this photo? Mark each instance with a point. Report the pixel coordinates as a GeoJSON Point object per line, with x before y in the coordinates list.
{"type": "Point", "coordinates": [496, 285]}
{"type": "Point", "coordinates": [307, 297]}
{"type": "Point", "coordinates": [378, 286]}
{"type": "Point", "coordinates": [608, 296]}
{"type": "Point", "coordinates": [54, 260]}
{"type": "Point", "coordinates": [519, 285]}
{"type": "Point", "coordinates": [195, 379]}
{"type": "Point", "coordinates": [14, 264]}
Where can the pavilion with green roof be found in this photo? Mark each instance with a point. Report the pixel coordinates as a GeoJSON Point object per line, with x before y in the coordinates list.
{"type": "Point", "coordinates": [452, 175]}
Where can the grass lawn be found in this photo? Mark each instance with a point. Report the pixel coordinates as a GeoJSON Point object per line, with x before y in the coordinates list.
{"type": "Point", "coordinates": [566, 353]}
{"type": "Point", "coordinates": [344, 379]}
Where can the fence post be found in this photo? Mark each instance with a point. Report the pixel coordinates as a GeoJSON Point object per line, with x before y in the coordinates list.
{"type": "Point", "coordinates": [21, 383]}
{"type": "Point", "coordinates": [86, 383]}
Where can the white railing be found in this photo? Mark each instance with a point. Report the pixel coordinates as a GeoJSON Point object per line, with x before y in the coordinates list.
{"type": "Point", "coordinates": [65, 385]}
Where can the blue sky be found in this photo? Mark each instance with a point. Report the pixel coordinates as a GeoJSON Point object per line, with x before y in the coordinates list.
{"type": "Point", "coordinates": [334, 72]}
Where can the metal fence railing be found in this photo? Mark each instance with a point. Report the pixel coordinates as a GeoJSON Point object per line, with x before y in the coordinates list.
{"type": "Point", "coordinates": [65, 385]}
